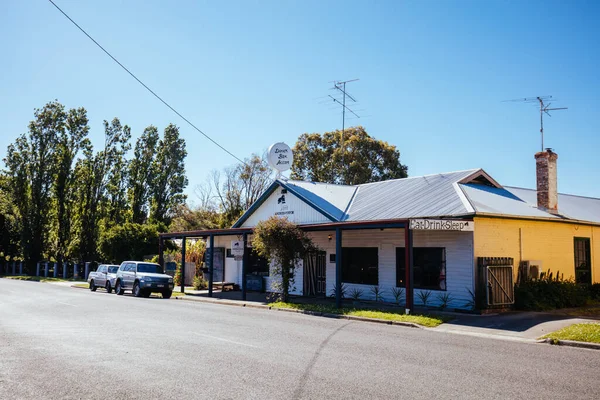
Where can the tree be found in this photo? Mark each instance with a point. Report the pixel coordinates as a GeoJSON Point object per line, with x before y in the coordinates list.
{"type": "Point", "coordinates": [283, 243]}
{"type": "Point", "coordinates": [70, 141]}
{"type": "Point", "coordinates": [141, 174]}
{"type": "Point", "coordinates": [187, 219]}
{"type": "Point", "coordinates": [31, 163]}
{"type": "Point", "coordinates": [101, 191]}
{"type": "Point", "coordinates": [169, 178]}
{"type": "Point", "coordinates": [236, 189]}
{"type": "Point", "coordinates": [362, 159]}
{"type": "Point", "coordinates": [9, 221]}
{"type": "Point", "coordinates": [128, 241]}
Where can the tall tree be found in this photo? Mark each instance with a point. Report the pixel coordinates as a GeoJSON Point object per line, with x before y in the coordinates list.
{"type": "Point", "coordinates": [9, 221]}
{"type": "Point", "coordinates": [70, 142]}
{"type": "Point", "coordinates": [117, 145]}
{"type": "Point", "coordinates": [101, 191]}
{"type": "Point", "coordinates": [361, 159]}
{"type": "Point", "coordinates": [169, 179]}
{"type": "Point", "coordinates": [141, 174]}
{"type": "Point", "coordinates": [31, 163]}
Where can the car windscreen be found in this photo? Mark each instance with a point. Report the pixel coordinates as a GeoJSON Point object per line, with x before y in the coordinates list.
{"type": "Point", "coordinates": [152, 268]}
{"type": "Point", "coordinates": [113, 270]}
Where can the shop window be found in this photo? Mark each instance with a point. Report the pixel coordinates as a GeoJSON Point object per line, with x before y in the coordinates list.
{"type": "Point", "coordinates": [360, 265]}
{"type": "Point", "coordinates": [583, 265]}
{"type": "Point", "coordinates": [429, 270]}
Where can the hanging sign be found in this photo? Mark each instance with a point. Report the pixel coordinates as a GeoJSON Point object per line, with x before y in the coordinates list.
{"type": "Point", "coordinates": [280, 156]}
{"type": "Point", "coordinates": [442, 225]}
{"type": "Point", "coordinates": [237, 248]}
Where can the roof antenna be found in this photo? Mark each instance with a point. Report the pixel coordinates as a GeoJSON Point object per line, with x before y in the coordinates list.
{"type": "Point", "coordinates": [544, 102]}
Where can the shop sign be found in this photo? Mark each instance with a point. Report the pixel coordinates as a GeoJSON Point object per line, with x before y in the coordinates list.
{"type": "Point", "coordinates": [441, 225]}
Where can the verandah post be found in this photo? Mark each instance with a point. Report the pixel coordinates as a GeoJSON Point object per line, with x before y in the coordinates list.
{"type": "Point", "coordinates": [338, 267]}
{"type": "Point", "coordinates": [244, 266]}
{"type": "Point", "coordinates": [182, 281]}
{"type": "Point", "coordinates": [161, 259]}
{"type": "Point", "coordinates": [408, 262]}
{"type": "Point", "coordinates": [210, 265]}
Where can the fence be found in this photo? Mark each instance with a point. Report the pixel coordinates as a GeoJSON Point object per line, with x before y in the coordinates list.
{"type": "Point", "coordinates": [48, 269]}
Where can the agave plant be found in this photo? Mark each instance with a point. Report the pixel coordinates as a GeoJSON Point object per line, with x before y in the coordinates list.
{"type": "Point", "coordinates": [471, 303]}
{"type": "Point", "coordinates": [377, 293]}
{"type": "Point", "coordinates": [424, 295]}
{"type": "Point", "coordinates": [398, 294]}
{"type": "Point", "coordinates": [343, 291]}
{"type": "Point", "coordinates": [356, 293]}
{"type": "Point", "coordinates": [445, 300]}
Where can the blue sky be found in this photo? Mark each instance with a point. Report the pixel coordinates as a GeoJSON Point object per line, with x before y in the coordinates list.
{"type": "Point", "coordinates": [433, 75]}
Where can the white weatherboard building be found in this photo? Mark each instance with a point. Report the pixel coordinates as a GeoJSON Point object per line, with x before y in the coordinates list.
{"type": "Point", "coordinates": [465, 233]}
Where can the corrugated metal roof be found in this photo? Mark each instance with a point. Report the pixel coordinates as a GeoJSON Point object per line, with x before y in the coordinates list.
{"type": "Point", "coordinates": [500, 201]}
{"type": "Point", "coordinates": [450, 194]}
{"type": "Point", "coordinates": [421, 196]}
{"type": "Point", "coordinates": [333, 199]}
{"type": "Point", "coordinates": [569, 206]}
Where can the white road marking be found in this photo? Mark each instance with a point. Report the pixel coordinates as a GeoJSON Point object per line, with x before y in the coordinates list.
{"type": "Point", "coordinates": [66, 304]}
{"type": "Point", "coordinates": [225, 340]}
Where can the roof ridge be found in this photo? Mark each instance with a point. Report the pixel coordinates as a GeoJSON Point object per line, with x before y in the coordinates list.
{"type": "Point", "coordinates": [423, 176]}
{"type": "Point", "coordinates": [320, 183]}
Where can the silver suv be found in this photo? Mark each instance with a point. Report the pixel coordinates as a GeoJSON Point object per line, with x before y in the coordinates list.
{"type": "Point", "coordinates": [143, 278]}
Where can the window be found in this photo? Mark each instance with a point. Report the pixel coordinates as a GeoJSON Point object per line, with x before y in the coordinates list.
{"type": "Point", "coordinates": [429, 270]}
{"type": "Point", "coordinates": [360, 265]}
{"type": "Point", "coordinates": [583, 265]}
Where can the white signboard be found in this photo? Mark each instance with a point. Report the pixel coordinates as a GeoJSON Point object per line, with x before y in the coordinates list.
{"type": "Point", "coordinates": [280, 156]}
{"type": "Point", "coordinates": [442, 225]}
{"type": "Point", "coordinates": [237, 248]}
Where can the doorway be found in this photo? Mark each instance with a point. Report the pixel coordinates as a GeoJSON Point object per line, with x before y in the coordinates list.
{"type": "Point", "coordinates": [583, 263]}
{"type": "Point", "coordinates": [315, 274]}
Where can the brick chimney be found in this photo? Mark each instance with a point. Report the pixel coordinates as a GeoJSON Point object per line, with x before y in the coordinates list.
{"type": "Point", "coordinates": [547, 190]}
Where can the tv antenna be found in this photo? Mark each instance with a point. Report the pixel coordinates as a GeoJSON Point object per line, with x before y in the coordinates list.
{"type": "Point", "coordinates": [544, 102]}
{"type": "Point", "coordinates": [340, 87]}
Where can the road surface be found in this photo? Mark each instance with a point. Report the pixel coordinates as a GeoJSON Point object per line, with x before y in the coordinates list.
{"type": "Point", "coordinates": [63, 343]}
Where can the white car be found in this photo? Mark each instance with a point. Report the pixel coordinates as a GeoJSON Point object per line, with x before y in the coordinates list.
{"type": "Point", "coordinates": [104, 276]}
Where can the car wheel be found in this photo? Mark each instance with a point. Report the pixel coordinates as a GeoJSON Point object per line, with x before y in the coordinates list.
{"type": "Point", "coordinates": [93, 286]}
{"type": "Point", "coordinates": [167, 294]}
{"type": "Point", "coordinates": [108, 288]}
{"type": "Point", "coordinates": [119, 289]}
{"type": "Point", "coordinates": [137, 291]}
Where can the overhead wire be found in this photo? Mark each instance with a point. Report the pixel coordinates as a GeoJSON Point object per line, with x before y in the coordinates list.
{"type": "Point", "coordinates": [146, 86]}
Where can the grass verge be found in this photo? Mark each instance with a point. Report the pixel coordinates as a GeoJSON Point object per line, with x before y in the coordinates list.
{"type": "Point", "coordinates": [83, 285]}
{"type": "Point", "coordinates": [586, 332]}
{"type": "Point", "coordinates": [423, 320]}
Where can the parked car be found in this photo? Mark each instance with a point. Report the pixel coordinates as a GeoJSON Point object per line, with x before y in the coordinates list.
{"type": "Point", "coordinates": [104, 277]}
{"type": "Point", "coordinates": [143, 278]}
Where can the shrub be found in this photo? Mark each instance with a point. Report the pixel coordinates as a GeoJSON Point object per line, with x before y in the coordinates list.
{"type": "Point", "coordinates": [200, 283]}
{"type": "Point", "coordinates": [343, 291]}
{"type": "Point", "coordinates": [550, 292]}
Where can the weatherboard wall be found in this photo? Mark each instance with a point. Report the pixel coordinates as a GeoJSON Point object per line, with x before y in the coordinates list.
{"type": "Point", "coordinates": [285, 205]}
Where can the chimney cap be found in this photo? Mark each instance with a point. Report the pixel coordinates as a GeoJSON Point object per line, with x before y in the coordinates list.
{"type": "Point", "coordinates": [549, 149]}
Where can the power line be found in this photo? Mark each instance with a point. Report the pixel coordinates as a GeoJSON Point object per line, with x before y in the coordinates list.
{"type": "Point", "coordinates": [144, 85]}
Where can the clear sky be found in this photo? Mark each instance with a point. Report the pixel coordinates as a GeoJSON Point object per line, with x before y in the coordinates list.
{"type": "Point", "coordinates": [433, 75]}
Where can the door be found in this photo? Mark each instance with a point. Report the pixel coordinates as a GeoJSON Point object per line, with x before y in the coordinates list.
{"type": "Point", "coordinates": [101, 276]}
{"type": "Point", "coordinates": [583, 262]}
{"type": "Point", "coordinates": [219, 264]}
{"type": "Point", "coordinates": [315, 274]}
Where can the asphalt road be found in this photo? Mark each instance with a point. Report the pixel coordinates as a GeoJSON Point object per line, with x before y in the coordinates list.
{"type": "Point", "coordinates": [64, 343]}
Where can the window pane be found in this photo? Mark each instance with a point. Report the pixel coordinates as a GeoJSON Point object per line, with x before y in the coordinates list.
{"type": "Point", "coordinates": [360, 265]}
{"type": "Point", "coordinates": [429, 270]}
